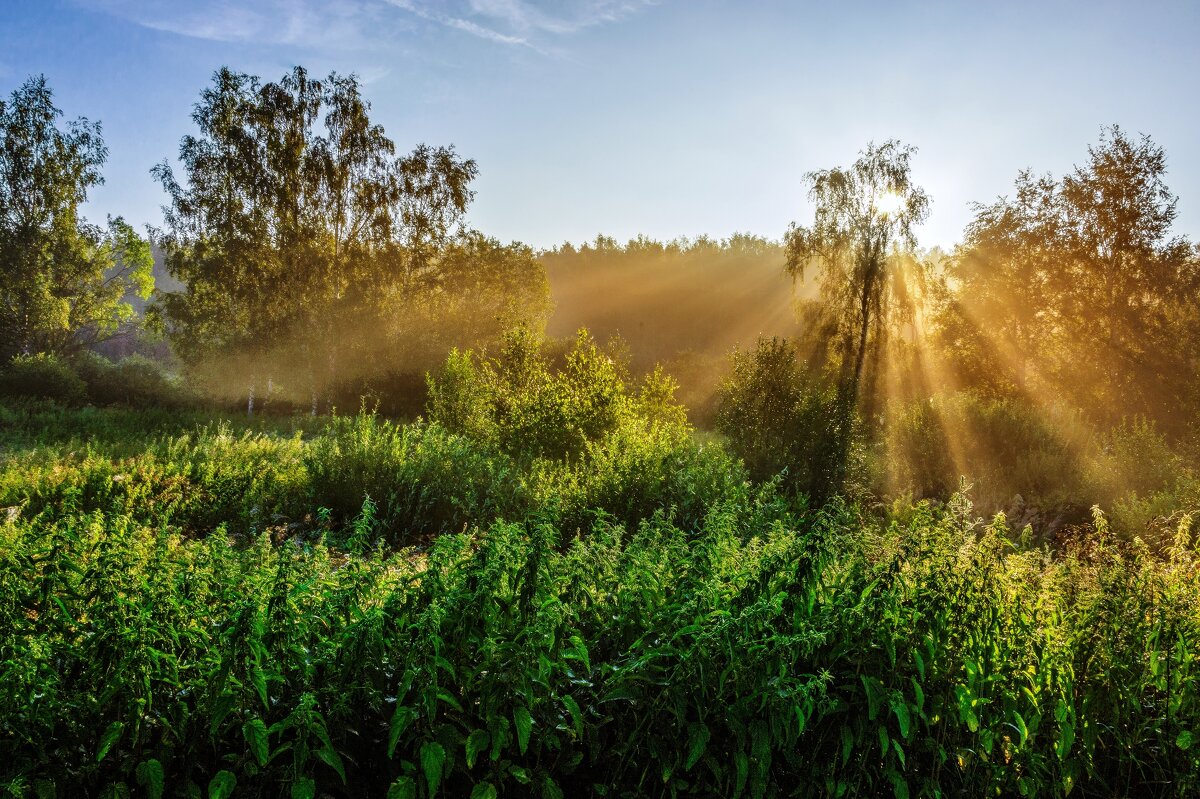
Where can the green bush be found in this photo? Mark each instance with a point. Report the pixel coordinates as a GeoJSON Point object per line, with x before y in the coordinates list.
{"type": "Point", "coordinates": [1019, 457]}
{"type": "Point", "coordinates": [779, 418]}
{"type": "Point", "coordinates": [422, 479]}
{"type": "Point", "coordinates": [42, 376]}
{"type": "Point", "coordinates": [135, 381]}
{"type": "Point", "coordinates": [523, 404]}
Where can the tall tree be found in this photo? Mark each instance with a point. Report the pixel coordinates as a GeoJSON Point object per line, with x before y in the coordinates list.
{"type": "Point", "coordinates": [864, 214]}
{"type": "Point", "coordinates": [862, 228]}
{"type": "Point", "coordinates": [1006, 273]}
{"type": "Point", "coordinates": [295, 220]}
{"type": "Point", "coordinates": [1128, 273]}
{"type": "Point", "coordinates": [63, 282]}
{"type": "Point", "coordinates": [1078, 288]}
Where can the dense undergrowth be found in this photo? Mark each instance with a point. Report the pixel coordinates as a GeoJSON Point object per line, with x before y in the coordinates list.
{"type": "Point", "coordinates": [552, 586]}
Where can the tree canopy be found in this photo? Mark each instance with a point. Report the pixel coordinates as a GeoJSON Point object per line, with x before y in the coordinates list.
{"type": "Point", "coordinates": [304, 241]}
{"type": "Point", "coordinates": [63, 281]}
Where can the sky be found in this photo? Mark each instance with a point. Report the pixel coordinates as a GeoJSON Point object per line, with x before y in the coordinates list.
{"type": "Point", "coordinates": [659, 117]}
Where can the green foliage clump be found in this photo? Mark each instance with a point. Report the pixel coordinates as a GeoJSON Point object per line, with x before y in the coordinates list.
{"type": "Point", "coordinates": [763, 654]}
{"type": "Point", "coordinates": [421, 478]}
{"type": "Point", "coordinates": [779, 418]}
{"type": "Point", "coordinates": [1009, 449]}
{"type": "Point", "coordinates": [521, 404]}
{"type": "Point", "coordinates": [135, 381]}
{"type": "Point", "coordinates": [42, 376]}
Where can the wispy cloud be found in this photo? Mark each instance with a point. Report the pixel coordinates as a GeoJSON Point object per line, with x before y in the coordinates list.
{"type": "Point", "coordinates": [427, 12]}
{"type": "Point", "coordinates": [538, 25]}
{"type": "Point", "coordinates": [328, 25]}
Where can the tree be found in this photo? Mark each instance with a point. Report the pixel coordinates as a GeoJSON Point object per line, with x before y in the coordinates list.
{"type": "Point", "coordinates": [1076, 287]}
{"type": "Point", "coordinates": [863, 223]}
{"type": "Point", "coordinates": [1006, 274]}
{"type": "Point", "coordinates": [295, 224]}
{"type": "Point", "coordinates": [863, 214]}
{"type": "Point", "coordinates": [63, 282]}
{"type": "Point", "coordinates": [1128, 275]}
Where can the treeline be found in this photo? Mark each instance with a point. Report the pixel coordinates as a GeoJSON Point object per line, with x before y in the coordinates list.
{"type": "Point", "coordinates": [315, 268]}
{"type": "Point", "coordinates": [683, 304]}
{"type": "Point", "coordinates": [316, 264]}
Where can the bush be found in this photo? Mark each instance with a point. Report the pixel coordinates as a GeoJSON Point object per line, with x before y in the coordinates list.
{"type": "Point", "coordinates": [422, 479]}
{"type": "Point", "coordinates": [524, 405]}
{"type": "Point", "coordinates": [1019, 457]}
{"type": "Point", "coordinates": [135, 381]}
{"type": "Point", "coordinates": [780, 418]}
{"type": "Point", "coordinates": [42, 376]}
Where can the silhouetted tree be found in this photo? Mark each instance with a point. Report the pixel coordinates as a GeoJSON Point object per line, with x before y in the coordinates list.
{"type": "Point", "coordinates": [63, 282]}
{"type": "Point", "coordinates": [1077, 287]}
{"type": "Point", "coordinates": [863, 214]}
{"type": "Point", "coordinates": [863, 221]}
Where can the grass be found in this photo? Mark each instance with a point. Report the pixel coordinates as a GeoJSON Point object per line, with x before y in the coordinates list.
{"type": "Point", "coordinates": [348, 607]}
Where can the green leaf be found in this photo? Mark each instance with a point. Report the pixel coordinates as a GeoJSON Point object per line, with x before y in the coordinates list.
{"type": "Point", "coordinates": [433, 756]}
{"type": "Point", "coordinates": [1184, 740]}
{"type": "Point", "coordinates": [150, 776]}
{"type": "Point", "coordinates": [255, 732]}
{"type": "Point", "coordinates": [449, 699]}
{"type": "Point", "coordinates": [259, 680]}
{"type": "Point", "coordinates": [477, 742]}
{"type": "Point", "coordinates": [402, 716]}
{"type": "Point", "coordinates": [741, 764]}
{"type": "Point", "coordinates": [698, 737]}
{"type": "Point", "coordinates": [304, 788]}
{"type": "Point", "coordinates": [1066, 737]}
{"type": "Point", "coordinates": [899, 784]}
{"type": "Point", "coordinates": [402, 788]}
{"type": "Point", "coordinates": [222, 785]}
{"type": "Point", "coordinates": [110, 737]}
{"type": "Point", "coordinates": [524, 724]}
{"type": "Point", "coordinates": [847, 744]}
{"type": "Point", "coordinates": [902, 718]}
{"type": "Point", "coordinates": [332, 759]}
{"type": "Point", "coordinates": [550, 790]}
{"type": "Point", "coordinates": [1021, 727]}
{"type": "Point", "coordinates": [576, 715]}
{"type": "Point", "coordinates": [483, 790]}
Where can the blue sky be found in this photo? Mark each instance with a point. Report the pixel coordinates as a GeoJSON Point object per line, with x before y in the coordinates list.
{"type": "Point", "coordinates": [675, 117]}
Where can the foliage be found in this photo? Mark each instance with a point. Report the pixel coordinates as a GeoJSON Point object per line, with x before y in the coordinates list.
{"type": "Point", "coordinates": [1077, 287]}
{"type": "Point", "coordinates": [780, 418]}
{"type": "Point", "coordinates": [519, 402]}
{"type": "Point", "coordinates": [305, 245]}
{"type": "Point", "coordinates": [42, 377]}
{"type": "Point", "coordinates": [862, 214]}
{"type": "Point", "coordinates": [759, 653]}
{"type": "Point", "coordinates": [135, 381]}
{"type": "Point", "coordinates": [63, 282]}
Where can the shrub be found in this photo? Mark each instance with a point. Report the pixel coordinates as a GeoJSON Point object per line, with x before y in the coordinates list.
{"type": "Point", "coordinates": [423, 479]}
{"type": "Point", "coordinates": [524, 405]}
{"type": "Point", "coordinates": [1019, 457]}
{"type": "Point", "coordinates": [135, 381]}
{"type": "Point", "coordinates": [42, 376]}
{"type": "Point", "coordinates": [780, 418]}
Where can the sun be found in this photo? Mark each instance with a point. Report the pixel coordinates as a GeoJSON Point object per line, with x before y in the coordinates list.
{"type": "Point", "coordinates": [889, 204]}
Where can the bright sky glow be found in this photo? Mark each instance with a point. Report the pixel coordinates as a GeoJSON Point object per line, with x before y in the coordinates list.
{"type": "Point", "coordinates": [675, 117]}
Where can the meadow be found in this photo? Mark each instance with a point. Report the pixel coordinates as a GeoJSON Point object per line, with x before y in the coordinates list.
{"type": "Point", "coordinates": [318, 492]}
{"type": "Point", "coordinates": [555, 587]}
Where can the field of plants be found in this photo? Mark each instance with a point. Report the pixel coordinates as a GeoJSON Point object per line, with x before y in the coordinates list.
{"type": "Point", "coordinates": [552, 586]}
{"type": "Point", "coordinates": [316, 491]}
